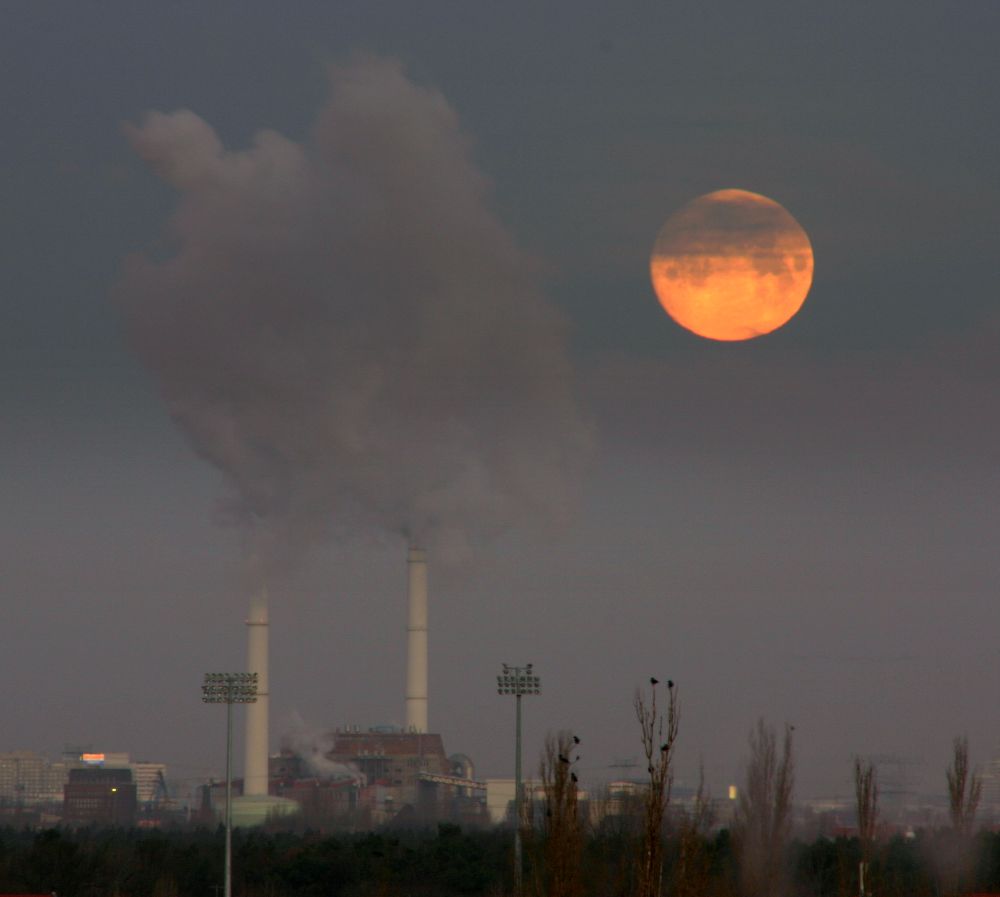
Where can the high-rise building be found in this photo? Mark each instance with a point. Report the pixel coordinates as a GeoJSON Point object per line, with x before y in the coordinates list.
{"type": "Point", "coordinates": [100, 796]}
{"type": "Point", "coordinates": [149, 778]}
{"type": "Point", "coordinates": [28, 779]}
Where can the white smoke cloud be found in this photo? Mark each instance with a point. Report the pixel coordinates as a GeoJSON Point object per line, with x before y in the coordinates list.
{"type": "Point", "coordinates": [314, 746]}
{"type": "Point", "coordinates": [345, 329]}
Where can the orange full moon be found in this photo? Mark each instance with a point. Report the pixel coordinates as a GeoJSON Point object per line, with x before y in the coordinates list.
{"type": "Point", "coordinates": [731, 265]}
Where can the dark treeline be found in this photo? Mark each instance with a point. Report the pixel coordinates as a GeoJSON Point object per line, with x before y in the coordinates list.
{"type": "Point", "coordinates": [448, 861]}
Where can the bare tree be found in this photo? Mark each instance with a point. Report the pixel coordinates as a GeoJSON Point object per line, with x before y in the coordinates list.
{"type": "Point", "coordinates": [964, 789]}
{"type": "Point", "coordinates": [692, 871]}
{"type": "Point", "coordinates": [952, 856]}
{"type": "Point", "coordinates": [763, 820]}
{"type": "Point", "coordinates": [866, 797]}
{"type": "Point", "coordinates": [659, 733]}
{"type": "Point", "coordinates": [562, 827]}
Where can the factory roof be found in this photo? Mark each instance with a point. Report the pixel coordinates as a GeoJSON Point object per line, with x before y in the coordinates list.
{"type": "Point", "coordinates": [387, 743]}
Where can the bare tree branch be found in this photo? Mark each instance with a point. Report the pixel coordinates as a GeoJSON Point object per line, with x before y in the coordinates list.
{"type": "Point", "coordinates": [659, 734]}
{"type": "Point", "coordinates": [964, 789]}
{"type": "Point", "coordinates": [562, 827]}
{"type": "Point", "coordinates": [692, 871]}
{"type": "Point", "coordinates": [866, 797]}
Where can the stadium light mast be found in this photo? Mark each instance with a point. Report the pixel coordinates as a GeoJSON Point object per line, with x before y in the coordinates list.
{"type": "Point", "coordinates": [229, 689]}
{"type": "Point", "coordinates": [518, 681]}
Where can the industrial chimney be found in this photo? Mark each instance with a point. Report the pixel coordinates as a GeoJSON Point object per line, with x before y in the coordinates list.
{"type": "Point", "coordinates": [416, 643]}
{"type": "Point", "coordinates": [255, 772]}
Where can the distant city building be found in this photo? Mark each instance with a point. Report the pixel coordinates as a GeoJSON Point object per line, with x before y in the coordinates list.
{"type": "Point", "coordinates": [500, 800]}
{"type": "Point", "coordinates": [990, 801]}
{"type": "Point", "coordinates": [99, 796]}
{"type": "Point", "coordinates": [622, 798]}
{"type": "Point", "coordinates": [28, 779]}
{"type": "Point", "coordinates": [149, 778]}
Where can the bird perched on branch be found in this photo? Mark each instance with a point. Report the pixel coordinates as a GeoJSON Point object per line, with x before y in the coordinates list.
{"type": "Point", "coordinates": [576, 740]}
{"type": "Point", "coordinates": [572, 776]}
{"type": "Point", "coordinates": [563, 759]}
{"type": "Point", "coordinates": [653, 680]}
{"type": "Point", "coordinates": [670, 683]}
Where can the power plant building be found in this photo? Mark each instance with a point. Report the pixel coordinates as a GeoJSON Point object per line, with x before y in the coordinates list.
{"type": "Point", "coordinates": [356, 777]}
{"type": "Point", "coordinates": [394, 759]}
{"type": "Point", "coordinates": [385, 776]}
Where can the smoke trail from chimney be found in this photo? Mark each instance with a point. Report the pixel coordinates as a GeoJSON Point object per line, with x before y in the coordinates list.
{"type": "Point", "coordinates": [344, 328]}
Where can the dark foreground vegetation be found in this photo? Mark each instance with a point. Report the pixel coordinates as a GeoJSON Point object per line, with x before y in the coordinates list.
{"type": "Point", "coordinates": [448, 861]}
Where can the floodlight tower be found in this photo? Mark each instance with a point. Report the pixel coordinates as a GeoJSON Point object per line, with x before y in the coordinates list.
{"type": "Point", "coordinates": [518, 681]}
{"type": "Point", "coordinates": [229, 689]}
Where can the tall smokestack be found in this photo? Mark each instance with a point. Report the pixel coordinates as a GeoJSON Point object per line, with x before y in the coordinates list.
{"type": "Point", "coordinates": [416, 643]}
{"type": "Point", "coordinates": [255, 767]}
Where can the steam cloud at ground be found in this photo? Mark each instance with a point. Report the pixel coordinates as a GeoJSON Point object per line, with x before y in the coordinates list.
{"type": "Point", "coordinates": [344, 328]}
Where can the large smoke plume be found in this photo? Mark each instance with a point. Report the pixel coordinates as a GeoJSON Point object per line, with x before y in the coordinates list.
{"type": "Point", "coordinates": [345, 329]}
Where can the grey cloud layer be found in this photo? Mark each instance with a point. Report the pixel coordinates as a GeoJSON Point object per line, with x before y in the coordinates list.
{"type": "Point", "coordinates": [346, 330]}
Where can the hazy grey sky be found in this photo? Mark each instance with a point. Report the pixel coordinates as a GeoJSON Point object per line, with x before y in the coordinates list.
{"type": "Point", "coordinates": [802, 526]}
